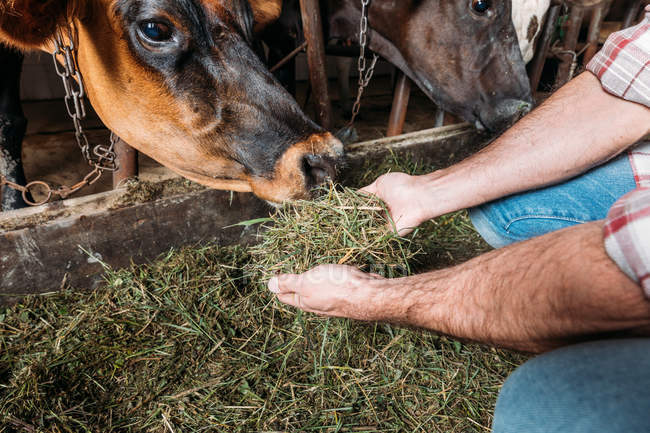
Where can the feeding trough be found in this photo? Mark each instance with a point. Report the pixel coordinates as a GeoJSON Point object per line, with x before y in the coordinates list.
{"type": "Point", "coordinates": [70, 241]}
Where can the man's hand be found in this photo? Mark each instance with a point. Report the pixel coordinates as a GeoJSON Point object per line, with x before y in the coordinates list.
{"type": "Point", "coordinates": [403, 196]}
{"type": "Point", "coordinates": [332, 290]}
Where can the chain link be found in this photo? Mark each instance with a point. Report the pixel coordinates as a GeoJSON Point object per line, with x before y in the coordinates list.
{"type": "Point", "coordinates": [365, 75]}
{"type": "Point", "coordinates": [101, 158]}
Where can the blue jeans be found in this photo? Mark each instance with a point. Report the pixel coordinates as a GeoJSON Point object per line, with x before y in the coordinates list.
{"type": "Point", "coordinates": [593, 387]}
{"type": "Point", "coordinates": [585, 198]}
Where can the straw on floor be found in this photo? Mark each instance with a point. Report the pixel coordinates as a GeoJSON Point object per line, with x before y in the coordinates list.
{"type": "Point", "coordinates": [194, 342]}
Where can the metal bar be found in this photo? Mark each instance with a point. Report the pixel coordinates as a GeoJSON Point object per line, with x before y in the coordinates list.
{"type": "Point", "coordinates": [127, 163]}
{"type": "Point", "coordinates": [597, 17]}
{"type": "Point", "coordinates": [537, 64]}
{"type": "Point", "coordinates": [288, 57]}
{"type": "Point", "coordinates": [401, 98]}
{"type": "Point", "coordinates": [313, 30]}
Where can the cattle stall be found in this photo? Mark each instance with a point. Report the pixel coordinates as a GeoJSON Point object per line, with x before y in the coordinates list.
{"type": "Point", "coordinates": [141, 301]}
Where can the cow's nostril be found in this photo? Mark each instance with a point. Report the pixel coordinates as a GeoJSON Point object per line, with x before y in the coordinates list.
{"type": "Point", "coordinates": [318, 170]}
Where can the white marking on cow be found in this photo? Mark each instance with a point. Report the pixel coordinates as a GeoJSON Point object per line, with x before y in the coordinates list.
{"type": "Point", "coordinates": [528, 17]}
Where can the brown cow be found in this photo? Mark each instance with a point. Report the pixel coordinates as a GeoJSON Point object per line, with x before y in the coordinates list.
{"type": "Point", "coordinates": [180, 81]}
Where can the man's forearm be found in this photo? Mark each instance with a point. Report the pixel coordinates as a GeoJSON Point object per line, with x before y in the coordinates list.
{"type": "Point", "coordinates": [531, 296]}
{"type": "Point", "coordinates": [577, 128]}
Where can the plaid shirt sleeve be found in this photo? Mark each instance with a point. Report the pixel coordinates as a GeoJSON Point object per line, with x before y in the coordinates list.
{"type": "Point", "coordinates": [627, 236]}
{"type": "Point", "coordinates": [623, 67]}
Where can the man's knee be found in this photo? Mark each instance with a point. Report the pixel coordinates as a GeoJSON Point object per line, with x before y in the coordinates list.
{"type": "Point", "coordinates": [489, 225]}
{"type": "Point", "coordinates": [600, 386]}
{"type": "Point", "coordinates": [534, 213]}
{"type": "Point", "coordinates": [499, 228]}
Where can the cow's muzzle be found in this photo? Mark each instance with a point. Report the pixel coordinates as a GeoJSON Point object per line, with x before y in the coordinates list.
{"type": "Point", "coordinates": [496, 118]}
{"type": "Point", "coordinates": [303, 166]}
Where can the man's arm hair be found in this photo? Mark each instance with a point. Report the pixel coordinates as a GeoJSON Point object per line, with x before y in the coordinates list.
{"type": "Point", "coordinates": [531, 296]}
{"type": "Point", "coordinates": [580, 126]}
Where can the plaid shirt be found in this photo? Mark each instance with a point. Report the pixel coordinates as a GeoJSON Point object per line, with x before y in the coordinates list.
{"type": "Point", "coordinates": [623, 67]}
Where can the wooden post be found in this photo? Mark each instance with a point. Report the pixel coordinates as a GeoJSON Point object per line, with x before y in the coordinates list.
{"type": "Point", "coordinates": [569, 44]}
{"type": "Point", "coordinates": [401, 97]}
{"type": "Point", "coordinates": [127, 162]}
{"type": "Point", "coordinates": [544, 44]}
{"type": "Point", "coordinates": [597, 17]}
{"type": "Point", "coordinates": [313, 28]}
{"type": "Point", "coordinates": [632, 13]}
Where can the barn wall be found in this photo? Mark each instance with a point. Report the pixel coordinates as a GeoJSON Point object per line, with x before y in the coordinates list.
{"type": "Point", "coordinates": [39, 80]}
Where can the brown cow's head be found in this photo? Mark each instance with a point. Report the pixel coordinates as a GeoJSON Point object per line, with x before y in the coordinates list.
{"type": "Point", "coordinates": [462, 53]}
{"type": "Point", "coordinates": [180, 81]}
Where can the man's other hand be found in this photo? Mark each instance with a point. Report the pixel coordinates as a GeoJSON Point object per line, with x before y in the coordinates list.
{"type": "Point", "coordinates": [333, 290]}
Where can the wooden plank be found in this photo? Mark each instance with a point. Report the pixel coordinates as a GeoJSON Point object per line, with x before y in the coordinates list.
{"type": "Point", "coordinates": [38, 259]}
{"type": "Point", "coordinates": [421, 144]}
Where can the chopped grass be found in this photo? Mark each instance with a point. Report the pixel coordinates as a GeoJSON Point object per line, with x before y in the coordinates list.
{"type": "Point", "coordinates": [340, 226]}
{"type": "Point", "coordinates": [194, 342]}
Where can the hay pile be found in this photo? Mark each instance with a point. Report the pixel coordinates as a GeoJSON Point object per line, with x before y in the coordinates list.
{"type": "Point", "coordinates": [195, 342]}
{"type": "Point", "coordinates": [341, 226]}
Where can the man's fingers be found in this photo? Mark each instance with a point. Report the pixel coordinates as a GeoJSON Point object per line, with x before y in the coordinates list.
{"type": "Point", "coordinates": [295, 300]}
{"type": "Point", "coordinates": [274, 285]}
{"type": "Point", "coordinates": [292, 299]}
{"type": "Point", "coordinates": [284, 284]}
{"type": "Point", "coordinates": [403, 231]}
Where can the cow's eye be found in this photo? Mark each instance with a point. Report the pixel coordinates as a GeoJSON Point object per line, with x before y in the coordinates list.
{"type": "Point", "coordinates": [156, 31]}
{"type": "Point", "coordinates": [481, 6]}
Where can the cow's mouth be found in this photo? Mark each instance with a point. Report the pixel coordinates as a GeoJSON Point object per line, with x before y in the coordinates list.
{"type": "Point", "coordinates": [493, 116]}
{"type": "Point", "coordinates": [496, 118]}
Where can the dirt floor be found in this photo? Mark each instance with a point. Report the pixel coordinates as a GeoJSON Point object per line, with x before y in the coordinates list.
{"type": "Point", "coordinates": [51, 154]}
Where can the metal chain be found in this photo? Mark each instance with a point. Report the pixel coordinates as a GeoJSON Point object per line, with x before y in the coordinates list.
{"type": "Point", "coordinates": [364, 75]}
{"type": "Point", "coordinates": [62, 191]}
{"type": "Point", "coordinates": [101, 158]}
{"type": "Point", "coordinates": [574, 57]}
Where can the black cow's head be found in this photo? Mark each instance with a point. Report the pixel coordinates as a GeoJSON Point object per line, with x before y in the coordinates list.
{"type": "Point", "coordinates": [462, 53]}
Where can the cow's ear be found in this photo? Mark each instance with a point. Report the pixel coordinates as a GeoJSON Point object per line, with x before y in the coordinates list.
{"type": "Point", "coordinates": [265, 12]}
{"type": "Point", "coordinates": [28, 24]}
